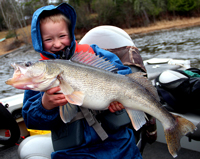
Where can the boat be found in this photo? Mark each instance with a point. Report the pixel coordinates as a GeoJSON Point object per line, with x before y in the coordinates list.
{"type": "Point", "coordinates": [38, 143]}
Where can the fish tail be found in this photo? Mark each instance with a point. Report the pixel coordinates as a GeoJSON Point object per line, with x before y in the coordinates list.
{"type": "Point", "coordinates": [173, 135]}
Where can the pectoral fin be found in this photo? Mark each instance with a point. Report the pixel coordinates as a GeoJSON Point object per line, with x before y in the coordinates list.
{"type": "Point", "coordinates": [65, 87]}
{"type": "Point", "coordinates": [137, 118]}
{"type": "Point", "coordinates": [73, 97]}
{"type": "Point", "coordinates": [76, 98]}
{"type": "Point", "coordinates": [68, 111]}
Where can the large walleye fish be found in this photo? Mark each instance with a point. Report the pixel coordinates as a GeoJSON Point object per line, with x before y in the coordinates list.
{"type": "Point", "coordinates": [88, 81]}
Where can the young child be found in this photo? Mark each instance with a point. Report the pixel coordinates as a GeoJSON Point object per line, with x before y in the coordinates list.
{"type": "Point", "coordinates": [52, 31]}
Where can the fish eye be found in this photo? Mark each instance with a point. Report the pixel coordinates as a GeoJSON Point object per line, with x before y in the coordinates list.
{"type": "Point", "coordinates": [27, 64]}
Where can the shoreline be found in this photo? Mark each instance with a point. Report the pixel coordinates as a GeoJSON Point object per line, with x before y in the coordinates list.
{"type": "Point", "coordinates": [165, 25]}
{"type": "Point", "coordinates": [157, 26]}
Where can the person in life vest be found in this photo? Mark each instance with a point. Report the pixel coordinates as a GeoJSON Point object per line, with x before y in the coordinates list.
{"type": "Point", "coordinates": [52, 32]}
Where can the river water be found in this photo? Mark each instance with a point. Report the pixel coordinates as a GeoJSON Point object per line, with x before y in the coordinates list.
{"type": "Point", "coordinates": [6, 70]}
{"type": "Point", "coordinates": [177, 44]}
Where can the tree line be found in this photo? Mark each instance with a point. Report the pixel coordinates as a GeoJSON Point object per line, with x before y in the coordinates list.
{"type": "Point", "coordinates": [131, 13]}
{"type": "Point", "coordinates": [90, 13]}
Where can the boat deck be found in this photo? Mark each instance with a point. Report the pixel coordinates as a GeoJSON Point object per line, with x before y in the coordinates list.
{"type": "Point", "coordinates": [159, 150]}
{"type": "Point", "coordinates": [156, 150]}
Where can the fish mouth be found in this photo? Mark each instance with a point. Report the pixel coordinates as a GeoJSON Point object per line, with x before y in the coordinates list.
{"type": "Point", "coordinates": [16, 75]}
{"type": "Point", "coordinates": [18, 80]}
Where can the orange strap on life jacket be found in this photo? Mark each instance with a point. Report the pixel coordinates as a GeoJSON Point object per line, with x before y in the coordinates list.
{"type": "Point", "coordinates": [79, 48]}
{"type": "Point", "coordinates": [43, 57]}
{"type": "Point", "coordinates": [84, 48]}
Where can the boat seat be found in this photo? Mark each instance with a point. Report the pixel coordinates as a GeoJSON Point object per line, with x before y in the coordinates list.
{"type": "Point", "coordinates": [36, 147]}
{"type": "Point", "coordinates": [107, 37]}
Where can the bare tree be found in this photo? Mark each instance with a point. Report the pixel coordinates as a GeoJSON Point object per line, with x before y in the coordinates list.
{"type": "Point", "coordinates": [4, 17]}
{"type": "Point", "coordinates": [140, 7]}
{"type": "Point", "coordinates": [17, 13]}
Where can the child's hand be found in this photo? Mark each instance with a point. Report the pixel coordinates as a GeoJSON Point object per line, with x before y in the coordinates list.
{"type": "Point", "coordinates": [51, 100]}
{"type": "Point", "coordinates": [115, 106]}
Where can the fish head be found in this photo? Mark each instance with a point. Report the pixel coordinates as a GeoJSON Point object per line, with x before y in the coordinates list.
{"type": "Point", "coordinates": [38, 76]}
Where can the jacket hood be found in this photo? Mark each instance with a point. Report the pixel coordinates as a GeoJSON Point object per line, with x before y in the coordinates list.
{"type": "Point", "coordinates": [64, 8]}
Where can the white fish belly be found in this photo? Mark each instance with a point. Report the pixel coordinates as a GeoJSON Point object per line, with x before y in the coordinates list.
{"type": "Point", "coordinates": [96, 103]}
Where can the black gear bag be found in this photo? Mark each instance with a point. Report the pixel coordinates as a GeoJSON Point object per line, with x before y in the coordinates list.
{"type": "Point", "coordinates": [181, 94]}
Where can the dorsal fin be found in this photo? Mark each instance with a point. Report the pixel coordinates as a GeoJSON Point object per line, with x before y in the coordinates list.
{"type": "Point", "coordinates": [140, 78]}
{"type": "Point", "coordinates": [93, 60]}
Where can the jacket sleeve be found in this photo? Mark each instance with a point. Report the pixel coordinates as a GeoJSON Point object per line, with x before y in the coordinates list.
{"type": "Point", "coordinates": [114, 59]}
{"type": "Point", "coordinates": [35, 116]}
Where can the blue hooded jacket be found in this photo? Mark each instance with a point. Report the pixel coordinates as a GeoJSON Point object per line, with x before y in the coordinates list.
{"type": "Point", "coordinates": [119, 145]}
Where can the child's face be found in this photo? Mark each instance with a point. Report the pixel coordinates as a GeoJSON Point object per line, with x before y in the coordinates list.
{"type": "Point", "coordinates": [55, 36]}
